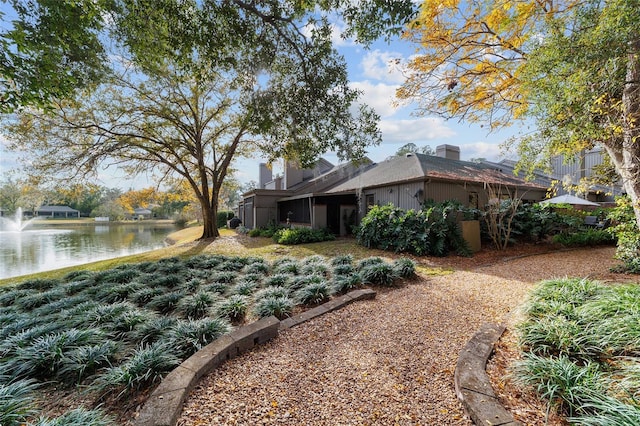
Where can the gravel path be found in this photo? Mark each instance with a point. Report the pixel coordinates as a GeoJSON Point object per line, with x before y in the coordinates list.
{"type": "Point", "coordinates": [388, 361]}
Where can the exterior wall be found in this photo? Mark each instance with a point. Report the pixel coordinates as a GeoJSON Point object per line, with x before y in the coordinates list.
{"type": "Point", "coordinates": [319, 216]}
{"type": "Point", "coordinates": [247, 216]}
{"type": "Point", "coordinates": [404, 196]}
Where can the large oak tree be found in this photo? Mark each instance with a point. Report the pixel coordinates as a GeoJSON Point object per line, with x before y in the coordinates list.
{"type": "Point", "coordinates": [206, 81]}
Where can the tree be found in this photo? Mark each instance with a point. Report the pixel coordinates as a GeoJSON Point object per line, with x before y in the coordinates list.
{"type": "Point", "coordinates": [573, 66]}
{"type": "Point", "coordinates": [413, 148]}
{"type": "Point", "coordinates": [48, 50]}
{"type": "Point", "coordinates": [51, 48]}
{"type": "Point", "coordinates": [187, 111]}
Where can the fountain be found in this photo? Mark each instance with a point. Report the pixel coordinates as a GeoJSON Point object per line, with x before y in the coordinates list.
{"type": "Point", "coordinates": [17, 224]}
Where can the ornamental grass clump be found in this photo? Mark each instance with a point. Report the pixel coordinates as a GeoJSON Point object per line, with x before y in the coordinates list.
{"type": "Point", "coordinates": [197, 305]}
{"type": "Point", "coordinates": [77, 417]}
{"type": "Point", "coordinates": [404, 268]}
{"type": "Point", "coordinates": [16, 400]}
{"type": "Point", "coordinates": [381, 274]}
{"type": "Point", "coordinates": [346, 283]}
{"type": "Point", "coordinates": [581, 344]}
{"type": "Point", "coordinates": [314, 293]}
{"type": "Point", "coordinates": [280, 307]}
{"type": "Point", "coordinates": [166, 303]}
{"type": "Point", "coordinates": [244, 288]}
{"type": "Point", "coordinates": [84, 361]}
{"type": "Point", "coordinates": [145, 366]}
{"type": "Point", "coordinates": [234, 307]}
{"type": "Point", "coordinates": [187, 337]}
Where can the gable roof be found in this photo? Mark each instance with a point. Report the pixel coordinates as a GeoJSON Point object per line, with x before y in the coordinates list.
{"type": "Point", "coordinates": [415, 167]}
{"type": "Point", "coordinates": [65, 209]}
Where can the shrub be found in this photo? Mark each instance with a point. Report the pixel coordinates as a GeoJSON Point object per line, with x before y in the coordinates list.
{"type": "Point", "coordinates": [628, 235]}
{"type": "Point", "coordinates": [433, 230]}
{"type": "Point", "coordinates": [293, 236]}
{"type": "Point", "coordinates": [280, 307]}
{"type": "Point", "coordinates": [222, 217]}
{"type": "Point", "coordinates": [587, 237]}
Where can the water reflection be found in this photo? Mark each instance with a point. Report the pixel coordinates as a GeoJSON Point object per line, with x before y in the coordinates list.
{"type": "Point", "coordinates": [39, 249]}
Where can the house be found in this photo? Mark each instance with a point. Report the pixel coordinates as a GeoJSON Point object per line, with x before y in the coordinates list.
{"type": "Point", "coordinates": [570, 172]}
{"type": "Point", "coordinates": [140, 213]}
{"type": "Point", "coordinates": [340, 196]}
{"type": "Point", "coordinates": [56, 212]}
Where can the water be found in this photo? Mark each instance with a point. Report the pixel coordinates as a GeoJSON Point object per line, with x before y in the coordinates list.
{"type": "Point", "coordinates": [39, 247]}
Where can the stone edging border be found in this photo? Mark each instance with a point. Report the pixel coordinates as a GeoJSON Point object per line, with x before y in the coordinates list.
{"type": "Point", "coordinates": [164, 406]}
{"type": "Point", "coordinates": [473, 387]}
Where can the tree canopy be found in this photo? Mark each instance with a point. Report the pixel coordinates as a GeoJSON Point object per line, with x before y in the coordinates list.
{"type": "Point", "coordinates": [572, 66]}
{"type": "Point", "coordinates": [190, 94]}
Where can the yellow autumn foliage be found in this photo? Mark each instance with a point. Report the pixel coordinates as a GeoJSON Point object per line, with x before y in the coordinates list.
{"type": "Point", "coordinates": [471, 54]}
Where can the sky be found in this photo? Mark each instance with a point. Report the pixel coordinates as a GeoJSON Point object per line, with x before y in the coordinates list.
{"type": "Point", "coordinates": [370, 72]}
{"type": "Point", "coordinates": [373, 73]}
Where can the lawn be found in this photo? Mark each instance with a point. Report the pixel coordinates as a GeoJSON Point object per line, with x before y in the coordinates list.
{"type": "Point", "coordinates": [105, 334]}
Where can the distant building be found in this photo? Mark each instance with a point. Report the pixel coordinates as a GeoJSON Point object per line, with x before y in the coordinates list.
{"type": "Point", "coordinates": [141, 213]}
{"type": "Point", "coordinates": [56, 212]}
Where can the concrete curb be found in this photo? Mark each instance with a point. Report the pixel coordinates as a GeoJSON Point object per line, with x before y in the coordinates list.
{"type": "Point", "coordinates": [164, 406]}
{"type": "Point", "coordinates": [473, 387]}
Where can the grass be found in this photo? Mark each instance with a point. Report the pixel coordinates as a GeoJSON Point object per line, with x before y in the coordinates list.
{"type": "Point", "coordinates": [581, 350]}
{"type": "Point", "coordinates": [117, 327]}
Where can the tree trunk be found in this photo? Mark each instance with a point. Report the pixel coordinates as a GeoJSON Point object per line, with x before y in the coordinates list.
{"type": "Point", "coordinates": [631, 127]}
{"type": "Point", "coordinates": [209, 218]}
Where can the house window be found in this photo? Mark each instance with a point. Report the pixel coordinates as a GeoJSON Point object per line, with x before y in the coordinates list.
{"type": "Point", "coordinates": [473, 200]}
{"type": "Point", "coordinates": [370, 201]}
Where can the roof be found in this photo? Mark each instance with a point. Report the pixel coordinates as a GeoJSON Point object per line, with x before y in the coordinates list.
{"type": "Point", "coordinates": [415, 167]}
{"type": "Point", "coordinates": [66, 209]}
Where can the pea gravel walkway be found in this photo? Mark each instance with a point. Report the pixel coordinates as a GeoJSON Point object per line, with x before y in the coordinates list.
{"type": "Point", "coordinates": [388, 361]}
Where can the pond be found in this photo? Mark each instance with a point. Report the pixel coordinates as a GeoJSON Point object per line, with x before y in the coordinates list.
{"type": "Point", "coordinates": [39, 247]}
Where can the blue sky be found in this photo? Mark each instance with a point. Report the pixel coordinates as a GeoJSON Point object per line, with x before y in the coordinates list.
{"type": "Point", "coordinates": [370, 72]}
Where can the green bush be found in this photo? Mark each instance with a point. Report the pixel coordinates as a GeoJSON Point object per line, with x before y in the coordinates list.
{"type": "Point", "coordinates": [628, 235]}
{"type": "Point", "coordinates": [587, 237]}
{"type": "Point", "coordinates": [314, 293]}
{"type": "Point", "coordinates": [293, 236]}
{"type": "Point", "coordinates": [233, 307]}
{"type": "Point", "coordinates": [432, 230]}
{"type": "Point", "coordinates": [404, 268]}
{"type": "Point", "coordinates": [222, 217]}
{"type": "Point", "coordinates": [379, 274]}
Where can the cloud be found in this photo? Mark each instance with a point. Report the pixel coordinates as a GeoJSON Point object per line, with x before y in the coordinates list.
{"type": "Point", "coordinates": [490, 151]}
{"type": "Point", "coordinates": [379, 96]}
{"type": "Point", "coordinates": [383, 66]}
{"type": "Point", "coordinates": [418, 130]}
